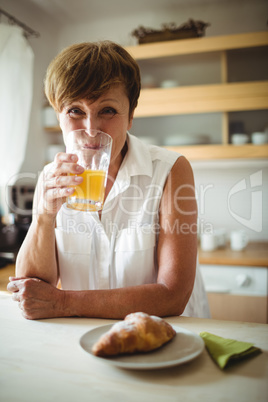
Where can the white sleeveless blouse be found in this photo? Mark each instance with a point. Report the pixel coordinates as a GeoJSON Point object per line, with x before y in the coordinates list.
{"type": "Point", "coordinates": [120, 249]}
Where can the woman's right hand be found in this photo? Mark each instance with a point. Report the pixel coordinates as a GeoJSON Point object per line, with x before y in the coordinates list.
{"type": "Point", "coordinates": [56, 184]}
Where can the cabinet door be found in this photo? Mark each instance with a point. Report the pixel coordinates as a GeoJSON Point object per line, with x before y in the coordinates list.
{"type": "Point", "coordinates": [238, 307]}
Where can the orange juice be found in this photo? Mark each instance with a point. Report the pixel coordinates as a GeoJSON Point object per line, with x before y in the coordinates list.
{"type": "Point", "coordinates": [89, 194]}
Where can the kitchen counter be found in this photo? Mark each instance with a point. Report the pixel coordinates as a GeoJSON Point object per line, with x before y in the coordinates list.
{"type": "Point", "coordinates": [42, 361]}
{"type": "Point", "coordinates": [255, 254]}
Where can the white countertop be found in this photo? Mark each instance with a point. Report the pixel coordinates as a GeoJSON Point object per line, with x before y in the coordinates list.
{"type": "Point", "coordinates": [43, 361]}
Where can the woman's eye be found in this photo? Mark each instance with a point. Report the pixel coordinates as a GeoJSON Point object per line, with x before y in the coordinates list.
{"type": "Point", "coordinates": [108, 111]}
{"type": "Point", "coordinates": [75, 112]}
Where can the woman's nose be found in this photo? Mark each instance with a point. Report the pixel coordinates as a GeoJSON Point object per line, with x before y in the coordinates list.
{"type": "Point", "coordinates": [91, 122]}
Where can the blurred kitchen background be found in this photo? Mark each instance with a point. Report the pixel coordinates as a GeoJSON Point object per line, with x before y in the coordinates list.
{"type": "Point", "coordinates": [231, 183]}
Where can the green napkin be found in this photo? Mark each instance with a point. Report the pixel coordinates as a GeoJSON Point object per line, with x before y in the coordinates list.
{"type": "Point", "coordinates": [227, 351]}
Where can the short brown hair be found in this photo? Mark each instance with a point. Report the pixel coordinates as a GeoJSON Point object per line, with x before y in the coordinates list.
{"type": "Point", "coordinates": [88, 70]}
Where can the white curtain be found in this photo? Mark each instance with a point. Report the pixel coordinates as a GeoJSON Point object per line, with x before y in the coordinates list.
{"type": "Point", "coordinates": [16, 88]}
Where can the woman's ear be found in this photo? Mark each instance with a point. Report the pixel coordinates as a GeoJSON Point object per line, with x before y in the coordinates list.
{"type": "Point", "coordinates": [130, 121]}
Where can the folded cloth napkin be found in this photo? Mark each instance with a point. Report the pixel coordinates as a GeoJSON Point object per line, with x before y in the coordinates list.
{"type": "Point", "coordinates": [227, 351]}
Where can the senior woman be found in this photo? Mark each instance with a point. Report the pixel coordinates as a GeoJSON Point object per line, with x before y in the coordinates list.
{"type": "Point", "coordinates": [140, 252]}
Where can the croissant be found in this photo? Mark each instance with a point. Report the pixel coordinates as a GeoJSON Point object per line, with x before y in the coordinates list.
{"type": "Point", "coordinates": [139, 332]}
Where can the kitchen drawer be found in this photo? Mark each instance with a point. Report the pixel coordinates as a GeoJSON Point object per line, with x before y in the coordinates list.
{"type": "Point", "coordinates": [238, 307]}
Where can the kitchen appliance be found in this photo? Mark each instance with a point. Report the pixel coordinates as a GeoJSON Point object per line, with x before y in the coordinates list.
{"type": "Point", "coordinates": [14, 226]}
{"type": "Point", "coordinates": [237, 293]}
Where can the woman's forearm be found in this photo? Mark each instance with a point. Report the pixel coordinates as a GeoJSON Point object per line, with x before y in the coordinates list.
{"type": "Point", "coordinates": [37, 255]}
{"type": "Point", "coordinates": [37, 299]}
{"type": "Point", "coordinates": [154, 299]}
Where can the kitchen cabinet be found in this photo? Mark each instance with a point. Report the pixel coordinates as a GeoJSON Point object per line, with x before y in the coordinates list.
{"type": "Point", "coordinates": [235, 307]}
{"type": "Point", "coordinates": [237, 282]}
{"type": "Point", "coordinates": [237, 293]}
{"type": "Point", "coordinates": [223, 97]}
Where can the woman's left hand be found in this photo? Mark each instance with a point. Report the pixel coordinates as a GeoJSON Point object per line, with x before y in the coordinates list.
{"type": "Point", "coordinates": [37, 299]}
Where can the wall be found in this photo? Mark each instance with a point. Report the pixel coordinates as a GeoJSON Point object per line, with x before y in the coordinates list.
{"type": "Point", "coordinates": [226, 17]}
{"type": "Point", "coordinates": [44, 49]}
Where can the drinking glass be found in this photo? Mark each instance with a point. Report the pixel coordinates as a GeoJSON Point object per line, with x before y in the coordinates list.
{"type": "Point", "coordinates": [93, 148]}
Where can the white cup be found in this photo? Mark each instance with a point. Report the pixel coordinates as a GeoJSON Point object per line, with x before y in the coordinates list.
{"type": "Point", "coordinates": [238, 240]}
{"type": "Point", "coordinates": [239, 139]}
{"type": "Point", "coordinates": [221, 235]}
{"type": "Point", "coordinates": [208, 242]}
{"type": "Point", "coordinates": [259, 138]}
{"type": "Point", "coordinates": [169, 84]}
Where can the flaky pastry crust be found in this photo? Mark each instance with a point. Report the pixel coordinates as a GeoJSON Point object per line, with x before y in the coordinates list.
{"type": "Point", "coordinates": [139, 332]}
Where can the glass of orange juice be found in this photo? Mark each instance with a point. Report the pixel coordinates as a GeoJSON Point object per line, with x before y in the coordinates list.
{"type": "Point", "coordinates": [93, 148]}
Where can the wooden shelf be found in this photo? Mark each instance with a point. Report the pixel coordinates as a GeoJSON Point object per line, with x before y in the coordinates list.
{"type": "Point", "coordinates": [255, 254]}
{"type": "Point", "coordinates": [213, 151]}
{"type": "Point", "coordinates": [53, 129]}
{"type": "Point", "coordinates": [203, 99]}
{"type": "Point", "coordinates": [220, 151]}
{"type": "Point", "coordinates": [198, 45]}
{"type": "Point", "coordinates": [221, 98]}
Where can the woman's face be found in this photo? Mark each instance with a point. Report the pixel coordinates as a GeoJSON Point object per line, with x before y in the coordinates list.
{"type": "Point", "coordinates": [109, 113]}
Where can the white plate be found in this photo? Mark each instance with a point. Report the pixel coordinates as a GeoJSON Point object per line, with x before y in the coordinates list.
{"type": "Point", "coordinates": [185, 346]}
